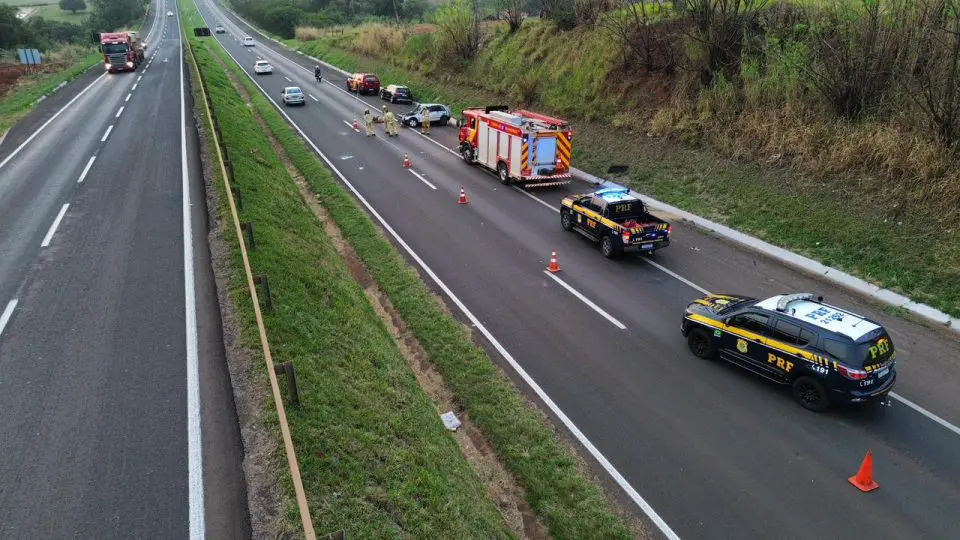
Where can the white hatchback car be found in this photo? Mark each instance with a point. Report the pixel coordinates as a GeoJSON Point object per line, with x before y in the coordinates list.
{"type": "Point", "coordinates": [169, 14]}
{"type": "Point", "coordinates": [248, 41]}
{"type": "Point", "coordinates": [262, 66]}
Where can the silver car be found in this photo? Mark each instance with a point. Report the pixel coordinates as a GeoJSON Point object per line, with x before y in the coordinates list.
{"type": "Point", "coordinates": [293, 95]}
{"type": "Point", "coordinates": [439, 114]}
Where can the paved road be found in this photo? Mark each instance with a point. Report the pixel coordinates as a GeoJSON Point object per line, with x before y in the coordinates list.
{"type": "Point", "coordinates": [713, 451]}
{"type": "Point", "coordinates": [109, 380]}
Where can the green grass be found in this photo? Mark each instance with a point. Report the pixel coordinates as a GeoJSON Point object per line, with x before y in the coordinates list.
{"type": "Point", "coordinates": [374, 456]}
{"type": "Point", "coordinates": [30, 3]}
{"type": "Point", "coordinates": [570, 505]}
{"type": "Point", "coordinates": [54, 13]}
{"type": "Point", "coordinates": [832, 221]}
{"type": "Point", "coordinates": [18, 102]}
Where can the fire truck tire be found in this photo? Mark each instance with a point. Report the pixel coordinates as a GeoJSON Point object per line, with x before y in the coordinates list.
{"type": "Point", "coordinates": [610, 247]}
{"type": "Point", "coordinates": [467, 152]}
{"type": "Point", "coordinates": [566, 221]}
{"type": "Point", "coordinates": [503, 173]}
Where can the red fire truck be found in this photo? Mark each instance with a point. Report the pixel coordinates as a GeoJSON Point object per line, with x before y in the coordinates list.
{"type": "Point", "coordinates": [122, 51]}
{"type": "Point", "coordinates": [521, 146]}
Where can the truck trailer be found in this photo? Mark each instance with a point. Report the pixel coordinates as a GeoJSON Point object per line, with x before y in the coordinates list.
{"type": "Point", "coordinates": [522, 147]}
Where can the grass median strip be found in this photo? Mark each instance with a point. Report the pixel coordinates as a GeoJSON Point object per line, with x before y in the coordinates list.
{"type": "Point", "coordinates": [375, 457]}
{"type": "Point", "coordinates": [569, 504]}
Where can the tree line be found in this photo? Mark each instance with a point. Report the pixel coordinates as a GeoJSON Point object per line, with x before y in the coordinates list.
{"type": "Point", "coordinates": [37, 32]}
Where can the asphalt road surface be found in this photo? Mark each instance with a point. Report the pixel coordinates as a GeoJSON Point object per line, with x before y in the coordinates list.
{"type": "Point", "coordinates": [117, 413]}
{"type": "Point", "coordinates": [714, 451]}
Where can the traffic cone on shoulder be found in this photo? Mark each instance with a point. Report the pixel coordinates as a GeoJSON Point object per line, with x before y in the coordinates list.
{"type": "Point", "coordinates": [406, 161]}
{"type": "Point", "coordinates": [554, 266]}
{"type": "Point", "coordinates": [463, 197]}
{"type": "Point", "coordinates": [863, 480]}
{"type": "Point", "coordinates": [356, 125]}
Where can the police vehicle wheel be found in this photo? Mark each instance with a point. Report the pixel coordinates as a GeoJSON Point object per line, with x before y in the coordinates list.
{"type": "Point", "coordinates": [502, 172]}
{"type": "Point", "coordinates": [609, 248]}
{"type": "Point", "coordinates": [810, 394]}
{"type": "Point", "coordinates": [566, 221]}
{"type": "Point", "coordinates": [700, 343]}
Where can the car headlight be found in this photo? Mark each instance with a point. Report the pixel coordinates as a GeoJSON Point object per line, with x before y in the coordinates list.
{"type": "Point", "coordinates": [129, 64]}
{"type": "Point", "coordinates": [107, 66]}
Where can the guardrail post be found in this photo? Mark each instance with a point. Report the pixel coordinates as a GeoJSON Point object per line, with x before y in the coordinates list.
{"type": "Point", "coordinates": [265, 284]}
{"type": "Point", "coordinates": [287, 369]}
{"type": "Point", "coordinates": [238, 196]}
{"type": "Point", "coordinates": [248, 228]}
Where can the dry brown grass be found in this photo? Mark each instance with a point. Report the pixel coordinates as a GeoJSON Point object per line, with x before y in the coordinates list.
{"type": "Point", "coordinates": [379, 40]}
{"type": "Point", "coordinates": [892, 161]}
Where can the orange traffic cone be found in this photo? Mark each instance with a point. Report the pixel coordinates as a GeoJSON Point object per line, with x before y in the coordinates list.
{"type": "Point", "coordinates": [406, 161]}
{"type": "Point", "coordinates": [863, 480]}
{"type": "Point", "coordinates": [356, 125]}
{"type": "Point", "coordinates": [463, 197]}
{"type": "Point", "coordinates": [554, 265]}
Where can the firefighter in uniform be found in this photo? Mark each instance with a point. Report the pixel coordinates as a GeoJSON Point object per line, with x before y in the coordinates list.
{"type": "Point", "coordinates": [391, 122]}
{"type": "Point", "coordinates": [368, 121]}
{"type": "Point", "coordinates": [425, 120]}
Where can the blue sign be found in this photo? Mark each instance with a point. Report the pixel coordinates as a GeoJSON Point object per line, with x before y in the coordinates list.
{"type": "Point", "coordinates": [29, 56]}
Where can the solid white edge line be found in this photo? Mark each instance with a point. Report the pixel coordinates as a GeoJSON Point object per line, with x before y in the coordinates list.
{"type": "Point", "coordinates": [106, 133]}
{"type": "Point", "coordinates": [119, 112]}
{"type": "Point", "coordinates": [925, 412]}
{"type": "Point", "coordinates": [586, 301]}
{"type": "Point", "coordinates": [422, 179]}
{"type": "Point", "coordinates": [54, 225]}
{"type": "Point", "coordinates": [538, 199]}
{"type": "Point", "coordinates": [675, 275]}
{"type": "Point", "coordinates": [7, 313]}
{"type": "Point", "coordinates": [194, 436]}
{"type": "Point", "coordinates": [86, 169]}
{"type": "Point", "coordinates": [593, 450]}
{"type": "Point", "coordinates": [48, 122]}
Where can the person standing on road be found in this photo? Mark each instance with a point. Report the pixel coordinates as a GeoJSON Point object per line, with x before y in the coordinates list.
{"type": "Point", "coordinates": [368, 121]}
{"type": "Point", "coordinates": [391, 122]}
{"type": "Point", "coordinates": [425, 120]}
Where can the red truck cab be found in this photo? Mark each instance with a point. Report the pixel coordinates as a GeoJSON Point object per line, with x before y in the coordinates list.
{"type": "Point", "coordinates": [122, 51]}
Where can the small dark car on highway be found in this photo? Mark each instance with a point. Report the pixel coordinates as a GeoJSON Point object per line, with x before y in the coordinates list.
{"type": "Point", "coordinates": [394, 93]}
{"type": "Point", "coordinates": [826, 354]}
{"type": "Point", "coordinates": [616, 219]}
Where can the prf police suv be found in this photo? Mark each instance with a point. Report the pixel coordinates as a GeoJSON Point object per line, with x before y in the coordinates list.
{"type": "Point", "coordinates": [826, 354]}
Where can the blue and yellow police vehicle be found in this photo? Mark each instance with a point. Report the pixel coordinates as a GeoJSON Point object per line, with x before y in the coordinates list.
{"type": "Point", "coordinates": [826, 354]}
{"type": "Point", "coordinates": [616, 219]}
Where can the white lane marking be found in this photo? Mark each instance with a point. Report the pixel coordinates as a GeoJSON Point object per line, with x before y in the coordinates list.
{"type": "Point", "coordinates": [126, 99]}
{"type": "Point", "coordinates": [107, 133]}
{"type": "Point", "coordinates": [422, 179]}
{"type": "Point", "coordinates": [586, 301]}
{"type": "Point", "coordinates": [7, 313]}
{"type": "Point", "coordinates": [194, 436]}
{"type": "Point", "coordinates": [594, 451]}
{"type": "Point", "coordinates": [86, 169]}
{"type": "Point", "coordinates": [287, 78]}
{"type": "Point", "coordinates": [349, 125]}
{"type": "Point", "coordinates": [675, 275]}
{"type": "Point", "coordinates": [925, 412]}
{"type": "Point", "coordinates": [119, 112]}
{"type": "Point", "coordinates": [139, 78]}
{"type": "Point", "coordinates": [315, 99]}
{"type": "Point", "coordinates": [48, 122]}
{"type": "Point", "coordinates": [538, 199]}
{"type": "Point", "coordinates": [135, 84]}
{"type": "Point", "coordinates": [54, 225]}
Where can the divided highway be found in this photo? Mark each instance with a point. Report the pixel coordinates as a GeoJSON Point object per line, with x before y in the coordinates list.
{"type": "Point", "coordinates": [704, 449]}
{"type": "Point", "coordinates": [117, 414]}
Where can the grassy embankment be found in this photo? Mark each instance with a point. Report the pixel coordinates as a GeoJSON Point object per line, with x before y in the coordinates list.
{"type": "Point", "coordinates": [374, 455]}
{"type": "Point", "coordinates": [867, 196]}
